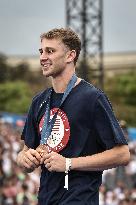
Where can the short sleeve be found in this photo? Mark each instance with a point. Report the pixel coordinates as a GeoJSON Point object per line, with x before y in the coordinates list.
{"type": "Point", "coordinates": [107, 128]}
{"type": "Point", "coordinates": [30, 131]}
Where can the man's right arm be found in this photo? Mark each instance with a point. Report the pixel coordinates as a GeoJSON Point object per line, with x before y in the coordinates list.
{"type": "Point", "coordinates": [28, 159]}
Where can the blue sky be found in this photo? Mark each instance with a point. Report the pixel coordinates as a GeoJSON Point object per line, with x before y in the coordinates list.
{"type": "Point", "coordinates": [21, 23]}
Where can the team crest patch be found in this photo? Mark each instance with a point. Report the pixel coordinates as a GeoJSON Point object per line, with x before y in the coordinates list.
{"type": "Point", "coordinates": [60, 132]}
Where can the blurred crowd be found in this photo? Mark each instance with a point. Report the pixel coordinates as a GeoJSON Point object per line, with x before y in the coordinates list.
{"type": "Point", "coordinates": [19, 188]}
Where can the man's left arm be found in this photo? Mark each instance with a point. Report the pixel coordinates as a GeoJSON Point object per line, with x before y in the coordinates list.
{"type": "Point", "coordinates": [109, 136]}
{"type": "Point", "coordinates": [119, 155]}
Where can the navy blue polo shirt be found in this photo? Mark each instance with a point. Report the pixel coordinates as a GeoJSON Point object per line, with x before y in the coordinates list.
{"type": "Point", "coordinates": [85, 125]}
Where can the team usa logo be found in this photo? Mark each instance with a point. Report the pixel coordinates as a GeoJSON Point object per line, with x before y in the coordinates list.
{"type": "Point", "coordinates": [60, 133]}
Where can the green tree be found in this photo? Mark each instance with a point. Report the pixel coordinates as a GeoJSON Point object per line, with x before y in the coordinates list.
{"type": "Point", "coordinates": [20, 72]}
{"type": "Point", "coordinates": [126, 88]}
{"type": "Point", "coordinates": [121, 90]}
{"type": "Point", "coordinates": [15, 97]}
{"type": "Point", "coordinates": [3, 68]}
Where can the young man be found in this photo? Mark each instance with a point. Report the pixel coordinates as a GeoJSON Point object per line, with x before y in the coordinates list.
{"type": "Point", "coordinates": [82, 139]}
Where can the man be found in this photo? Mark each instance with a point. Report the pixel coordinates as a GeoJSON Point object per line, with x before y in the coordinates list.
{"type": "Point", "coordinates": [74, 146]}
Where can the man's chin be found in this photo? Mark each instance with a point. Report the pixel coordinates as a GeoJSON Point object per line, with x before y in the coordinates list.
{"type": "Point", "coordinates": [51, 74]}
{"type": "Point", "coordinates": [47, 74]}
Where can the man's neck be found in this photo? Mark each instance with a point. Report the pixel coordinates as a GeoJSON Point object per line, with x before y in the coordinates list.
{"type": "Point", "coordinates": [61, 81]}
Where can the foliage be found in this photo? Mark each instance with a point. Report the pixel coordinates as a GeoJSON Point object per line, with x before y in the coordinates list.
{"type": "Point", "coordinates": [123, 88]}
{"type": "Point", "coordinates": [125, 112]}
{"type": "Point", "coordinates": [127, 88]}
{"type": "Point", "coordinates": [3, 67]}
{"type": "Point", "coordinates": [15, 97]}
{"type": "Point", "coordinates": [19, 84]}
{"type": "Point", "coordinates": [20, 71]}
{"type": "Point", "coordinates": [122, 93]}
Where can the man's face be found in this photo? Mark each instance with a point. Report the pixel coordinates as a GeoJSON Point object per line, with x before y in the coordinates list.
{"type": "Point", "coordinates": [53, 57]}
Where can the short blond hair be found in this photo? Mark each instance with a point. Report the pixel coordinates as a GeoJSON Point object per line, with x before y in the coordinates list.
{"type": "Point", "coordinates": [67, 36]}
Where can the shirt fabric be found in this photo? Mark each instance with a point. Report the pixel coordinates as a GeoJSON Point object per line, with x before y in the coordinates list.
{"type": "Point", "coordinates": [89, 126]}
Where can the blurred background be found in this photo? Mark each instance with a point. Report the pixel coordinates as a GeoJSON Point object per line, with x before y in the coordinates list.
{"type": "Point", "coordinates": [108, 60]}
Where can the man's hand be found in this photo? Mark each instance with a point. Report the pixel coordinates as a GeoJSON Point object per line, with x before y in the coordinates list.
{"type": "Point", "coordinates": [42, 150]}
{"type": "Point", "coordinates": [54, 162]}
{"type": "Point", "coordinates": [29, 159]}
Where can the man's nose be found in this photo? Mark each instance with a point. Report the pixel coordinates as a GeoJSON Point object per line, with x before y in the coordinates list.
{"type": "Point", "coordinates": [44, 56]}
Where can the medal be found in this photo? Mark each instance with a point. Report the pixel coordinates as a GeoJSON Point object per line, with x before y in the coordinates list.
{"type": "Point", "coordinates": [42, 149]}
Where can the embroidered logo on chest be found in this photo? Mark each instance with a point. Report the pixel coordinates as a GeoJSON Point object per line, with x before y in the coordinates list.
{"type": "Point", "coordinates": [60, 133]}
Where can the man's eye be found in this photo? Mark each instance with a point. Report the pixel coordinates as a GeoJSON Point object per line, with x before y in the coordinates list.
{"type": "Point", "coordinates": [40, 51]}
{"type": "Point", "coordinates": [50, 51]}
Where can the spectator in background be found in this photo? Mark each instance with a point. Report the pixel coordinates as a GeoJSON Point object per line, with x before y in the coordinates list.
{"type": "Point", "coordinates": [12, 176]}
{"type": "Point", "coordinates": [32, 180]}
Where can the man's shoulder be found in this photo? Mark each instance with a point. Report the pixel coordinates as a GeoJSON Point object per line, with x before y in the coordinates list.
{"type": "Point", "coordinates": [91, 90]}
{"type": "Point", "coordinates": [41, 95]}
{"type": "Point", "coordinates": [40, 98]}
{"type": "Point", "coordinates": [95, 94]}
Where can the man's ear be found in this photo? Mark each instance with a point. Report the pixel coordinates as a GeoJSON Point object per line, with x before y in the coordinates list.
{"type": "Point", "coordinates": [70, 56]}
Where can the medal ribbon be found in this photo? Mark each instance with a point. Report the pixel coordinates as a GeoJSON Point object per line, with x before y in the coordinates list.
{"type": "Point", "coordinates": [48, 124]}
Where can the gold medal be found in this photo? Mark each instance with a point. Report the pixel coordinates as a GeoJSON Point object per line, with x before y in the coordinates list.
{"type": "Point", "coordinates": [42, 149]}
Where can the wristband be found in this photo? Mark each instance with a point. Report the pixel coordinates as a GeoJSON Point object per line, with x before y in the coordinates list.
{"type": "Point", "coordinates": [68, 168]}
{"type": "Point", "coordinates": [68, 164]}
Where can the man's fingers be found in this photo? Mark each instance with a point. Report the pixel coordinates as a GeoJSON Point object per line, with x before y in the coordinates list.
{"type": "Point", "coordinates": [50, 161]}
{"type": "Point", "coordinates": [28, 163]}
{"type": "Point", "coordinates": [57, 162]}
{"type": "Point", "coordinates": [32, 157]}
{"type": "Point", "coordinates": [47, 156]}
{"type": "Point", "coordinates": [35, 154]}
{"type": "Point", "coordinates": [48, 165]}
{"type": "Point", "coordinates": [33, 160]}
{"type": "Point", "coordinates": [47, 161]}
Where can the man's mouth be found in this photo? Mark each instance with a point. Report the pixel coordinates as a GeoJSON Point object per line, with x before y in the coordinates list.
{"type": "Point", "coordinates": [45, 65]}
